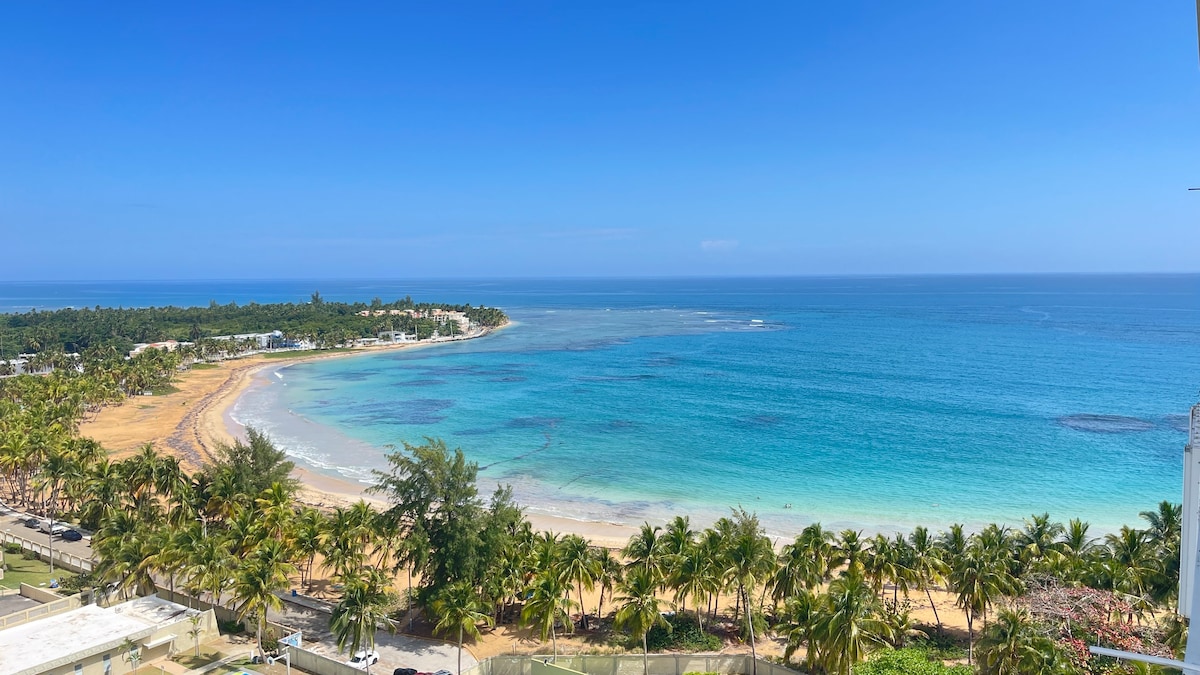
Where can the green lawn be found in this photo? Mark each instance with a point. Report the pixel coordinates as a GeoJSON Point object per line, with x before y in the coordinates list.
{"type": "Point", "coordinates": [305, 352]}
{"type": "Point", "coordinates": [204, 366]}
{"type": "Point", "coordinates": [187, 656]}
{"type": "Point", "coordinates": [21, 571]}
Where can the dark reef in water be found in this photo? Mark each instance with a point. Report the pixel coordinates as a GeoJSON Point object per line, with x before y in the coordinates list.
{"type": "Point", "coordinates": [1105, 424]}
{"type": "Point", "coordinates": [417, 411]}
{"type": "Point", "coordinates": [532, 422]}
{"type": "Point", "coordinates": [1177, 422]}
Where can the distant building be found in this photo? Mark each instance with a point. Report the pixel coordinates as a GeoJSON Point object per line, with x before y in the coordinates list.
{"type": "Point", "coordinates": [396, 336]}
{"type": "Point", "coordinates": [169, 345]}
{"type": "Point", "coordinates": [264, 340]}
{"type": "Point", "coordinates": [94, 640]}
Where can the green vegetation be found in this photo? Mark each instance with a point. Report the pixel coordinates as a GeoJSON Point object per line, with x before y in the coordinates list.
{"type": "Point", "coordinates": [300, 353]}
{"type": "Point", "coordinates": [682, 635]}
{"type": "Point", "coordinates": [19, 569]}
{"type": "Point", "coordinates": [318, 322]}
{"type": "Point", "coordinates": [909, 661]}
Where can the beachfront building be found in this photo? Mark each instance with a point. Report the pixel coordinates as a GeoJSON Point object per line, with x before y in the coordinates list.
{"type": "Point", "coordinates": [94, 640]}
{"type": "Point", "coordinates": [396, 336]}
{"type": "Point", "coordinates": [264, 340]}
{"type": "Point", "coordinates": [168, 345]}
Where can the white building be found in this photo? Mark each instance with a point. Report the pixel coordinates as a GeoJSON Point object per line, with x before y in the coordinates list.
{"type": "Point", "coordinates": [94, 640]}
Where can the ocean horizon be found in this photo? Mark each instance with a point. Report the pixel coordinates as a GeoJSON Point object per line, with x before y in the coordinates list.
{"type": "Point", "coordinates": [875, 403]}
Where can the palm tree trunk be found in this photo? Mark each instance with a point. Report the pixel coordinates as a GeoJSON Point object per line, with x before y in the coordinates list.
{"type": "Point", "coordinates": [554, 640]}
{"type": "Point", "coordinates": [645, 655]}
{"type": "Point", "coordinates": [262, 615]}
{"type": "Point", "coordinates": [750, 626]}
{"type": "Point", "coordinates": [582, 611]}
{"type": "Point", "coordinates": [970, 638]}
{"type": "Point", "coordinates": [460, 650]}
{"type": "Point", "coordinates": [933, 606]}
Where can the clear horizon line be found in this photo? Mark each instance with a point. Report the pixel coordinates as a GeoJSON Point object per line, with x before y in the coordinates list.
{"type": "Point", "coordinates": [860, 275]}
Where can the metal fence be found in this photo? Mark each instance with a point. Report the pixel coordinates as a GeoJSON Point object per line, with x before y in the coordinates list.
{"type": "Point", "coordinates": [63, 559]}
{"type": "Point", "coordinates": [632, 664]}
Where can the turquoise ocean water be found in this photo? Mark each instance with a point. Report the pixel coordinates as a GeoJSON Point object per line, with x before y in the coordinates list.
{"type": "Point", "coordinates": [877, 403]}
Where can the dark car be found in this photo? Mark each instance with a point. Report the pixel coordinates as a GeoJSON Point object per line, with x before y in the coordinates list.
{"type": "Point", "coordinates": [405, 671]}
{"type": "Point", "coordinates": [32, 523]}
{"type": "Point", "coordinates": [72, 535]}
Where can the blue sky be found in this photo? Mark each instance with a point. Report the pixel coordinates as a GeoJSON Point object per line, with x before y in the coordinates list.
{"type": "Point", "coordinates": [585, 138]}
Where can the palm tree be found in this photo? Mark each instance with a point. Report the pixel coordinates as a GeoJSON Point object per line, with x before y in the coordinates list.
{"type": "Point", "coordinates": [850, 549]}
{"type": "Point", "coordinates": [802, 612]}
{"type": "Point", "coordinates": [646, 550]}
{"type": "Point", "coordinates": [1038, 539]}
{"type": "Point", "coordinates": [1165, 524]}
{"type": "Point", "coordinates": [548, 603]}
{"type": "Point", "coordinates": [978, 578]}
{"type": "Point", "coordinates": [928, 569]}
{"type": "Point", "coordinates": [362, 611]}
{"type": "Point", "coordinates": [263, 573]}
{"type": "Point", "coordinates": [749, 561]}
{"type": "Point", "coordinates": [1013, 645]}
{"type": "Point", "coordinates": [1130, 562]}
{"type": "Point", "coordinates": [577, 567]}
{"type": "Point", "coordinates": [639, 610]}
{"type": "Point", "coordinates": [1077, 549]}
{"type": "Point", "coordinates": [850, 627]}
{"type": "Point", "coordinates": [459, 610]}
{"type": "Point", "coordinates": [608, 576]}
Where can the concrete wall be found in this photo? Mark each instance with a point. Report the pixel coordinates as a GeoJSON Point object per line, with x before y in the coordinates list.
{"type": "Point", "coordinates": [65, 560]}
{"type": "Point", "coordinates": [549, 668]}
{"type": "Point", "coordinates": [53, 605]}
{"type": "Point", "coordinates": [319, 664]}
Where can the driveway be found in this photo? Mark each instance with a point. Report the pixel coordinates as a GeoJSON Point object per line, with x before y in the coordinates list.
{"type": "Point", "coordinates": [395, 651]}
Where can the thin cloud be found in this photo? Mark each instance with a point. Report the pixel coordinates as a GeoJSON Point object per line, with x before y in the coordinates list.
{"type": "Point", "coordinates": [718, 244]}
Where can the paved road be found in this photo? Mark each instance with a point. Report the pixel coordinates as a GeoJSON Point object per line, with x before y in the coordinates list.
{"type": "Point", "coordinates": [395, 651]}
{"type": "Point", "coordinates": [10, 521]}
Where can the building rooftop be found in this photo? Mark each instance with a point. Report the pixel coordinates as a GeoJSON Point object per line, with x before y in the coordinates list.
{"type": "Point", "coordinates": [84, 631]}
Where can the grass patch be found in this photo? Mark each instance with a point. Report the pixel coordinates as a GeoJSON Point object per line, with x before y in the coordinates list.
{"type": "Point", "coordinates": [188, 658]}
{"type": "Point", "coordinates": [300, 353]}
{"type": "Point", "coordinates": [205, 366]}
{"type": "Point", "coordinates": [20, 570]}
{"type": "Point", "coordinates": [164, 389]}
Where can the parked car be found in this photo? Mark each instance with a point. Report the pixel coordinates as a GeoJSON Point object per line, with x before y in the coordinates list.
{"type": "Point", "coordinates": [405, 671]}
{"type": "Point", "coordinates": [32, 523]}
{"type": "Point", "coordinates": [362, 659]}
{"type": "Point", "coordinates": [51, 527]}
{"type": "Point", "coordinates": [442, 672]}
{"type": "Point", "coordinates": [71, 535]}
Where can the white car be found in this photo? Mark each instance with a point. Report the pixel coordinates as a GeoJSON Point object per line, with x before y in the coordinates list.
{"type": "Point", "coordinates": [362, 659]}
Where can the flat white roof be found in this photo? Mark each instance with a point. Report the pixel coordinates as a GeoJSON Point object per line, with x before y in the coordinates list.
{"type": "Point", "coordinates": [76, 634]}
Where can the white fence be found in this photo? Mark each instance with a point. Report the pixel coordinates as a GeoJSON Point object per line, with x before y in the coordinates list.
{"type": "Point", "coordinates": [61, 558]}
{"type": "Point", "coordinates": [631, 664]}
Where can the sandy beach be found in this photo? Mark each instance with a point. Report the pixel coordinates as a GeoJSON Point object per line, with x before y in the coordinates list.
{"type": "Point", "coordinates": [190, 422]}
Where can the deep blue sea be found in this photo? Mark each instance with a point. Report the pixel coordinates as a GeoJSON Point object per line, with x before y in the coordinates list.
{"type": "Point", "coordinates": [877, 403]}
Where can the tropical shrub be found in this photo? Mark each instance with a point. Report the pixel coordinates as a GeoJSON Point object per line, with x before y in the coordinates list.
{"type": "Point", "coordinates": [908, 661]}
{"type": "Point", "coordinates": [682, 635]}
